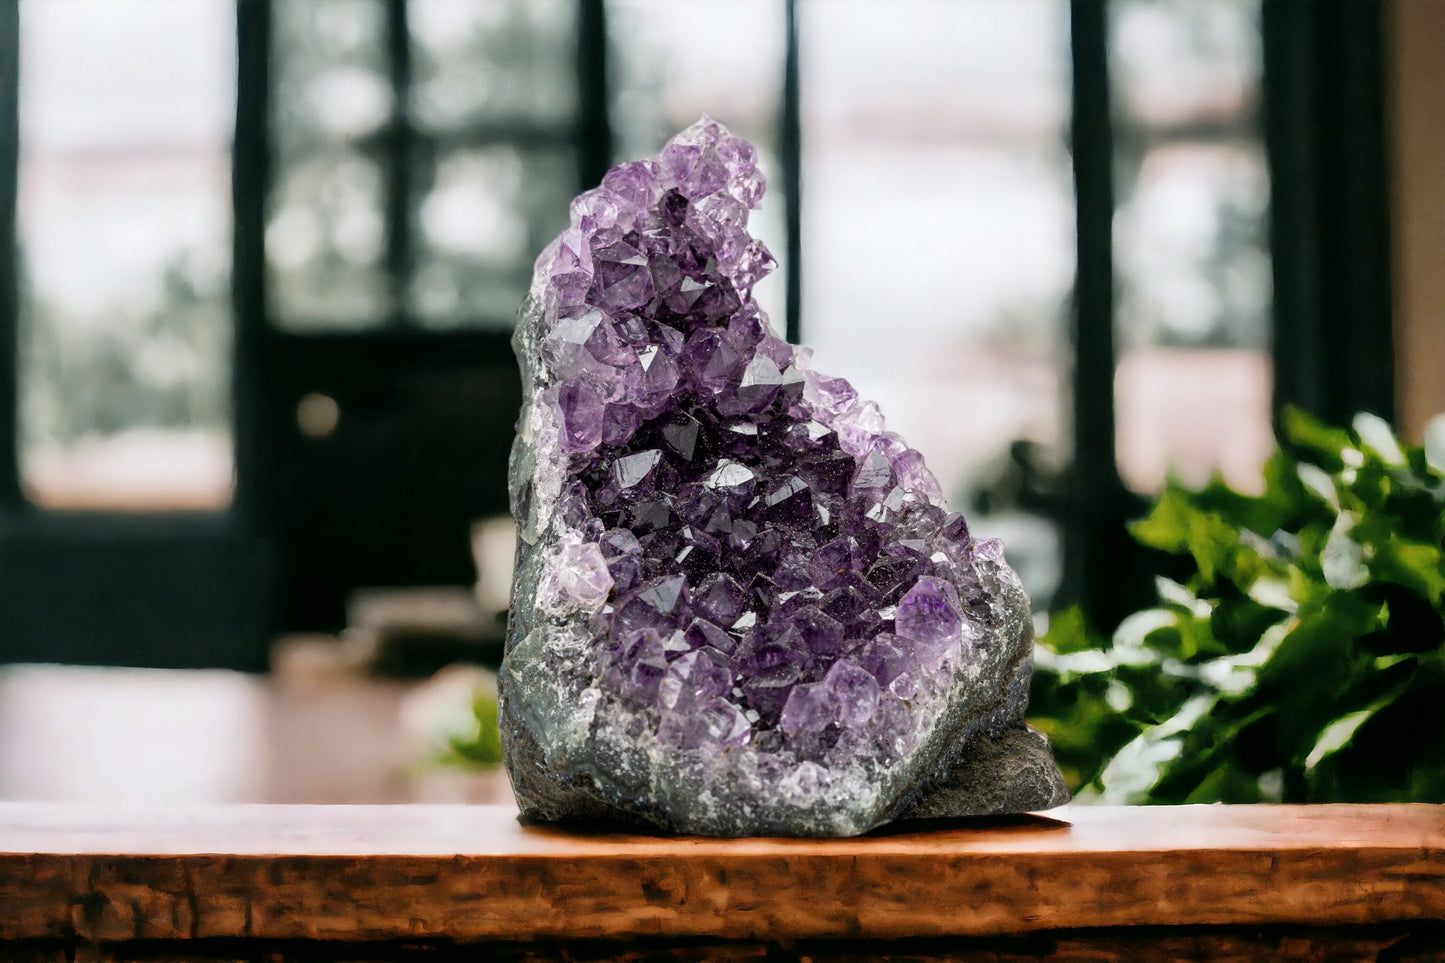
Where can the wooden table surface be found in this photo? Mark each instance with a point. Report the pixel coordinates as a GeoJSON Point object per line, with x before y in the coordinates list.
{"type": "Point", "coordinates": [458, 873]}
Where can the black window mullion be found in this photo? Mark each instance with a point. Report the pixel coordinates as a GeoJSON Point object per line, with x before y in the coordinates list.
{"type": "Point", "coordinates": [1092, 141]}
{"type": "Point", "coordinates": [790, 146]}
{"type": "Point", "coordinates": [1101, 570]}
{"type": "Point", "coordinates": [250, 180]}
{"type": "Point", "coordinates": [400, 159]}
{"type": "Point", "coordinates": [1324, 107]}
{"type": "Point", "coordinates": [594, 118]}
{"type": "Point", "coordinates": [10, 494]}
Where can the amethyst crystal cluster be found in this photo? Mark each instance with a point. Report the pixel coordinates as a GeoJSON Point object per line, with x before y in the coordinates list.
{"type": "Point", "coordinates": [741, 606]}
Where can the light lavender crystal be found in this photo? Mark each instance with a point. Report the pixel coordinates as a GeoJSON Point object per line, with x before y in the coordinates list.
{"type": "Point", "coordinates": [741, 605]}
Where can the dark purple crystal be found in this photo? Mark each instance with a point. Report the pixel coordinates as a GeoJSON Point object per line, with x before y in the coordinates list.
{"type": "Point", "coordinates": [770, 565]}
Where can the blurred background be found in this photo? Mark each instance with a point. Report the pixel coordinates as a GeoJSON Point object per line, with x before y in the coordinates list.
{"type": "Point", "coordinates": [259, 262]}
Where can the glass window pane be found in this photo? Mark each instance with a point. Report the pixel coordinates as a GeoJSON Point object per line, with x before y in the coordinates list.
{"type": "Point", "coordinates": [1190, 245]}
{"type": "Point", "coordinates": [124, 220]}
{"type": "Point", "coordinates": [330, 106]}
{"type": "Point", "coordinates": [481, 218]}
{"type": "Point", "coordinates": [1192, 412]}
{"type": "Point", "coordinates": [673, 60]}
{"type": "Point", "coordinates": [938, 234]}
{"type": "Point", "coordinates": [325, 243]}
{"type": "Point", "coordinates": [1193, 382]}
{"type": "Point", "coordinates": [483, 73]}
{"type": "Point", "coordinates": [489, 61]}
{"type": "Point", "coordinates": [331, 73]}
{"type": "Point", "coordinates": [1180, 61]}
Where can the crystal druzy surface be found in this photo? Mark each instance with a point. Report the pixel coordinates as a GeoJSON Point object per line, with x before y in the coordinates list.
{"type": "Point", "coordinates": [741, 606]}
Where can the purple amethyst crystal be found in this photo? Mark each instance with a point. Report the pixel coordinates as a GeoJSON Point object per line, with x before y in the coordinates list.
{"type": "Point", "coordinates": [741, 606]}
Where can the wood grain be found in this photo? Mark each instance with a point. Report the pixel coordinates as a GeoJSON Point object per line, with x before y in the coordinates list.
{"type": "Point", "coordinates": [450, 873]}
{"type": "Point", "coordinates": [1136, 945]}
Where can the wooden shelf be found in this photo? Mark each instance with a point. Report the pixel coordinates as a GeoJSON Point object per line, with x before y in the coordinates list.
{"type": "Point", "coordinates": [459, 874]}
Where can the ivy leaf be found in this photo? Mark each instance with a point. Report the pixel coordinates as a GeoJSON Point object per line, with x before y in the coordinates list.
{"type": "Point", "coordinates": [1343, 560]}
{"type": "Point", "coordinates": [1413, 565]}
{"type": "Point", "coordinates": [1176, 526]}
{"type": "Point", "coordinates": [1313, 668]}
{"type": "Point", "coordinates": [1435, 444]}
{"type": "Point", "coordinates": [1069, 632]}
{"type": "Point", "coordinates": [1238, 509]}
{"type": "Point", "coordinates": [1338, 734]}
{"type": "Point", "coordinates": [1377, 436]}
{"type": "Point", "coordinates": [1395, 753]}
{"type": "Point", "coordinates": [1238, 621]}
{"type": "Point", "coordinates": [1308, 434]}
{"type": "Point", "coordinates": [1318, 481]}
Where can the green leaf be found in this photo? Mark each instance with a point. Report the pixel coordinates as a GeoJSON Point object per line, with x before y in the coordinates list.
{"type": "Point", "coordinates": [1343, 559]}
{"type": "Point", "coordinates": [1319, 483]}
{"type": "Point", "coordinates": [1069, 632]}
{"type": "Point", "coordinates": [1396, 754]}
{"type": "Point", "coordinates": [1338, 734]}
{"type": "Point", "coordinates": [1435, 444]}
{"type": "Point", "coordinates": [1417, 567]}
{"type": "Point", "coordinates": [1175, 525]}
{"type": "Point", "coordinates": [485, 748]}
{"type": "Point", "coordinates": [1238, 621]}
{"type": "Point", "coordinates": [1155, 695]}
{"type": "Point", "coordinates": [1314, 438]}
{"type": "Point", "coordinates": [1166, 527]}
{"type": "Point", "coordinates": [1314, 667]}
{"type": "Point", "coordinates": [1145, 759]}
{"type": "Point", "coordinates": [1082, 728]}
{"type": "Point", "coordinates": [1377, 436]}
{"type": "Point", "coordinates": [1257, 514]}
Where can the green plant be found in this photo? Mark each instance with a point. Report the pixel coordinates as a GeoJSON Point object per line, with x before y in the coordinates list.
{"type": "Point", "coordinates": [1303, 659]}
{"type": "Point", "coordinates": [482, 746]}
{"type": "Point", "coordinates": [453, 718]}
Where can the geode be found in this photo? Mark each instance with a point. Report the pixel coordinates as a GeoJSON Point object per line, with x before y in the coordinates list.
{"type": "Point", "coordinates": [740, 606]}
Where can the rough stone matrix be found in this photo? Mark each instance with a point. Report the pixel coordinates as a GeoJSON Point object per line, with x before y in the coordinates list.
{"type": "Point", "coordinates": [741, 606]}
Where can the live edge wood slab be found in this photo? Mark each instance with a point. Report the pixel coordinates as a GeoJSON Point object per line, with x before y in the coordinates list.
{"type": "Point", "coordinates": [439, 876]}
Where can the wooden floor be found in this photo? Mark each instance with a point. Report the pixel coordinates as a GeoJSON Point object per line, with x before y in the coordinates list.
{"type": "Point", "coordinates": [1272, 881]}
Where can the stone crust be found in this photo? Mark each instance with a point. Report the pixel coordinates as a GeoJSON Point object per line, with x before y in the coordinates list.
{"type": "Point", "coordinates": [995, 766]}
{"type": "Point", "coordinates": [575, 747]}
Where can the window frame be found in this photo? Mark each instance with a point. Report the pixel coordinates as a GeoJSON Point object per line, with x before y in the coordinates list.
{"type": "Point", "coordinates": [10, 493]}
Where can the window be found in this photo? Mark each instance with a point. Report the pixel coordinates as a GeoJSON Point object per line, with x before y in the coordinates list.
{"type": "Point", "coordinates": [123, 224]}
{"type": "Point", "coordinates": [1052, 238]}
{"type": "Point", "coordinates": [939, 253]}
{"type": "Point", "coordinates": [116, 423]}
{"type": "Point", "coordinates": [1193, 378]}
{"type": "Point", "coordinates": [424, 155]}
